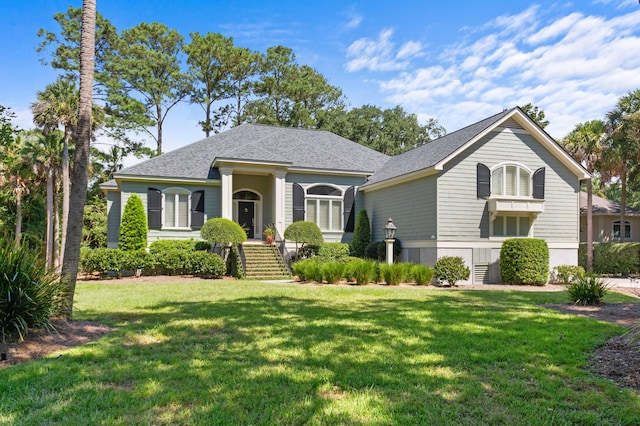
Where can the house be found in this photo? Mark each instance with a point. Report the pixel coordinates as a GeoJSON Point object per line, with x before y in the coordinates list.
{"type": "Point", "coordinates": [461, 194]}
{"type": "Point", "coordinates": [606, 220]}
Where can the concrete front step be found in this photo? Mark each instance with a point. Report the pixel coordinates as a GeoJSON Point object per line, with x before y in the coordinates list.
{"type": "Point", "coordinates": [263, 262]}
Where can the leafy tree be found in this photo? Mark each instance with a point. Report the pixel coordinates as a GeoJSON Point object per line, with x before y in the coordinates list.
{"type": "Point", "coordinates": [586, 143]}
{"type": "Point", "coordinates": [94, 231]}
{"type": "Point", "coordinates": [209, 68]}
{"type": "Point", "coordinates": [224, 232]}
{"type": "Point", "coordinates": [14, 169]}
{"type": "Point", "coordinates": [243, 67]}
{"type": "Point", "coordinates": [146, 64]}
{"type": "Point", "coordinates": [304, 232]}
{"type": "Point", "coordinates": [361, 234]}
{"type": "Point", "coordinates": [624, 152]}
{"type": "Point", "coordinates": [536, 114]}
{"type": "Point", "coordinates": [80, 172]}
{"type": "Point", "coordinates": [133, 227]}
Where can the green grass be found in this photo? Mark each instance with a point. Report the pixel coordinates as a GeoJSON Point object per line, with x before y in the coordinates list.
{"type": "Point", "coordinates": [237, 352]}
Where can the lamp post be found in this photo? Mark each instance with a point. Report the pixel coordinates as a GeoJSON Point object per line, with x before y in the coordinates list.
{"type": "Point", "coordinates": [389, 233]}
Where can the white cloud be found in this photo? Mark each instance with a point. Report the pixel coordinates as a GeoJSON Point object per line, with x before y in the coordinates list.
{"type": "Point", "coordinates": [354, 21]}
{"type": "Point", "coordinates": [378, 54]}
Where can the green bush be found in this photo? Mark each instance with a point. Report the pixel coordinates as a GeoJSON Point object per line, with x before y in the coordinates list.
{"type": "Point", "coordinates": [394, 274]}
{"type": "Point", "coordinates": [30, 294]}
{"type": "Point", "coordinates": [612, 258]}
{"type": "Point", "coordinates": [299, 268]}
{"type": "Point", "coordinates": [304, 233]}
{"type": "Point", "coordinates": [565, 274]}
{"type": "Point", "coordinates": [451, 269]}
{"type": "Point", "coordinates": [172, 261]}
{"type": "Point", "coordinates": [204, 264]}
{"type": "Point", "coordinates": [222, 231]}
{"type": "Point", "coordinates": [101, 260]}
{"type": "Point", "coordinates": [361, 234]}
{"type": "Point", "coordinates": [371, 251]}
{"type": "Point", "coordinates": [306, 252]}
{"type": "Point", "coordinates": [234, 264]}
{"type": "Point", "coordinates": [421, 274]}
{"type": "Point", "coordinates": [308, 269]}
{"type": "Point", "coordinates": [587, 290]}
{"type": "Point", "coordinates": [364, 271]}
{"type": "Point", "coordinates": [137, 260]}
{"type": "Point", "coordinates": [133, 226]}
{"type": "Point", "coordinates": [159, 246]}
{"type": "Point", "coordinates": [524, 261]}
{"type": "Point", "coordinates": [333, 271]}
{"type": "Point", "coordinates": [334, 251]}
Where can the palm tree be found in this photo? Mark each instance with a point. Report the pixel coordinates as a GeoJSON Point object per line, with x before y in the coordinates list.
{"type": "Point", "coordinates": [624, 131]}
{"type": "Point", "coordinates": [14, 172]}
{"type": "Point", "coordinates": [44, 152]}
{"type": "Point", "coordinates": [80, 173]}
{"type": "Point", "coordinates": [58, 106]}
{"type": "Point", "coordinates": [586, 143]}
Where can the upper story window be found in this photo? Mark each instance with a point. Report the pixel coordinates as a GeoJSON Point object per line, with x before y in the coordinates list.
{"type": "Point", "coordinates": [511, 180]}
{"type": "Point", "coordinates": [324, 207]}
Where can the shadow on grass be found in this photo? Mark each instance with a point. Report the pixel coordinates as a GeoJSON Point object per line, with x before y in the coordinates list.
{"type": "Point", "coordinates": [461, 357]}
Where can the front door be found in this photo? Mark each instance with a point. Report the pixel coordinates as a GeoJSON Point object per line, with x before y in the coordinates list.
{"type": "Point", "coordinates": [246, 217]}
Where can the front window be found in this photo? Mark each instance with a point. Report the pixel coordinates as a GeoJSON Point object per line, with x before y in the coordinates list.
{"type": "Point", "coordinates": [511, 180]}
{"type": "Point", "coordinates": [176, 209]}
{"type": "Point", "coordinates": [511, 226]}
{"type": "Point", "coordinates": [324, 207]}
{"type": "Point", "coordinates": [616, 230]}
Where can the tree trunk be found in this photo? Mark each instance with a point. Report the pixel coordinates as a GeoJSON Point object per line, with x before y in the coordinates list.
{"type": "Point", "coordinates": [65, 188]}
{"type": "Point", "coordinates": [56, 259]}
{"type": "Point", "coordinates": [589, 225]}
{"type": "Point", "coordinates": [18, 192]}
{"type": "Point", "coordinates": [80, 172]}
{"type": "Point", "coordinates": [49, 237]}
{"type": "Point", "coordinates": [207, 121]}
{"type": "Point", "coordinates": [623, 202]}
{"type": "Point", "coordinates": [159, 128]}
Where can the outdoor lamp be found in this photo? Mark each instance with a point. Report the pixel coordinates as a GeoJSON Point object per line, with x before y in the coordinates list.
{"type": "Point", "coordinates": [389, 232]}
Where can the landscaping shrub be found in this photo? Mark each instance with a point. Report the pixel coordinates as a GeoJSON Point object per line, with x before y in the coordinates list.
{"type": "Point", "coordinates": [524, 261]}
{"type": "Point", "coordinates": [612, 258]}
{"type": "Point", "coordinates": [451, 269]}
{"type": "Point", "coordinates": [371, 251]}
{"type": "Point", "coordinates": [304, 233]}
{"type": "Point", "coordinates": [364, 271]}
{"type": "Point", "coordinates": [333, 251]}
{"type": "Point", "coordinates": [378, 250]}
{"type": "Point", "coordinates": [308, 269]}
{"type": "Point", "coordinates": [30, 294]}
{"type": "Point", "coordinates": [332, 271]}
{"type": "Point", "coordinates": [138, 260]}
{"type": "Point", "coordinates": [588, 289]}
{"type": "Point", "coordinates": [566, 274]}
{"type": "Point", "coordinates": [101, 260]}
{"type": "Point", "coordinates": [394, 274]}
{"type": "Point", "coordinates": [234, 264]}
{"type": "Point", "coordinates": [187, 245]}
{"type": "Point", "coordinates": [361, 234]}
{"type": "Point", "coordinates": [306, 252]}
{"type": "Point", "coordinates": [222, 231]}
{"type": "Point", "coordinates": [207, 265]}
{"type": "Point", "coordinates": [172, 261]}
{"type": "Point", "coordinates": [421, 274]}
{"type": "Point", "coordinates": [133, 226]}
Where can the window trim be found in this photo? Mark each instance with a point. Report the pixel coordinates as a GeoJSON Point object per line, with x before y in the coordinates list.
{"type": "Point", "coordinates": [519, 166]}
{"type": "Point", "coordinates": [505, 236]}
{"type": "Point", "coordinates": [176, 191]}
{"type": "Point", "coordinates": [331, 199]}
{"type": "Point", "coordinates": [613, 227]}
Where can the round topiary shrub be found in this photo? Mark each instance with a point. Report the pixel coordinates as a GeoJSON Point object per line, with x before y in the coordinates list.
{"type": "Point", "coordinates": [133, 227]}
{"type": "Point", "coordinates": [304, 232]}
{"type": "Point", "coordinates": [524, 261]}
{"type": "Point", "coordinates": [222, 231]}
{"type": "Point", "coordinates": [451, 269]}
{"type": "Point", "coordinates": [361, 234]}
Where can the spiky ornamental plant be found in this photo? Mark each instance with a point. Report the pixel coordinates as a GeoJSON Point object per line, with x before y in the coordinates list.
{"type": "Point", "coordinates": [133, 228]}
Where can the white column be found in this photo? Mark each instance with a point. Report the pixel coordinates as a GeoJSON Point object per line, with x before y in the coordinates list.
{"type": "Point", "coordinates": [389, 250]}
{"type": "Point", "coordinates": [279, 202]}
{"type": "Point", "coordinates": [226, 178]}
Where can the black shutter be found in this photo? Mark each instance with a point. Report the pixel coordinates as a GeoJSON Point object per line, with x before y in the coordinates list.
{"type": "Point", "coordinates": [483, 181]}
{"type": "Point", "coordinates": [197, 209]}
{"type": "Point", "coordinates": [298, 202]}
{"type": "Point", "coordinates": [538, 184]}
{"type": "Point", "coordinates": [349, 210]}
{"type": "Point", "coordinates": [154, 208]}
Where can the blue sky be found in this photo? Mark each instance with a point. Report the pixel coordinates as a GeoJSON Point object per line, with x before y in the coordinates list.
{"type": "Point", "coordinates": [457, 61]}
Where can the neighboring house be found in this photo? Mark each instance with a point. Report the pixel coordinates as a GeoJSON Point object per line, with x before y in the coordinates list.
{"type": "Point", "coordinates": [462, 194]}
{"type": "Point", "coordinates": [606, 220]}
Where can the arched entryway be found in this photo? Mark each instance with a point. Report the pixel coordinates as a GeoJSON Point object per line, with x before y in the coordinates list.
{"type": "Point", "coordinates": [247, 211]}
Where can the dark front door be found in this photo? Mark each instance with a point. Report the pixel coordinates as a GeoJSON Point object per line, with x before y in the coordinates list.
{"type": "Point", "coordinates": [246, 211]}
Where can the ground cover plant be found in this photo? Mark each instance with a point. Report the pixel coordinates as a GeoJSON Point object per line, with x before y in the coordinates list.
{"type": "Point", "coordinates": [242, 352]}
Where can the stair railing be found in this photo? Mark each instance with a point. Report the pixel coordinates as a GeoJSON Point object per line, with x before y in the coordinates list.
{"type": "Point", "coordinates": [281, 245]}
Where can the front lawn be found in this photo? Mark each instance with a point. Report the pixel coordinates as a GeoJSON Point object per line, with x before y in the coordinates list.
{"type": "Point", "coordinates": [238, 352]}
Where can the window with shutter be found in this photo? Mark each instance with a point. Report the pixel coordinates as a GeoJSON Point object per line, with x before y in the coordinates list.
{"type": "Point", "coordinates": [197, 209]}
{"type": "Point", "coordinates": [349, 209]}
{"type": "Point", "coordinates": [483, 181]}
{"type": "Point", "coordinates": [298, 202]}
{"type": "Point", "coordinates": [325, 207]}
{"type": "Point", "coordinates": [154, 208]}
{"type": "Point", "coordinates": [538, 183]}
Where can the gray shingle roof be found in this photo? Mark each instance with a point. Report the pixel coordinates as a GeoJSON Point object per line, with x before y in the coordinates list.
{"type": "Point", "coordinates": [299, 148]}
{"type": "Point", "coordinates": [430, 154]}
{"type": "Point", "coordinates": [601, 205]}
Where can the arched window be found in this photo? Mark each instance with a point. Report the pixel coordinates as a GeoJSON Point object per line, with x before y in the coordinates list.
{"type": "Point", "coordinates": [324, 207]}
{"type": "Point", "coordinates": [176, 208]}
{"type": "Point", "coordinates": [616, 230]}
{"type": "Point", "coordinates": [510, 180]}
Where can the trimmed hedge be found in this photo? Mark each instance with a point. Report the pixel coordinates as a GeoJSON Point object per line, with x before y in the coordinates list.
{"type": "Point", "coordinates": [133, 227]}
{"type": "Point", "coordinates": [334, 251]}
{"type": "Point", "coordinates": [451, 269]}
{"type": "Point", "coordinates": [612, 258]}
{"type": "Point", "coordinates": [524, 261]}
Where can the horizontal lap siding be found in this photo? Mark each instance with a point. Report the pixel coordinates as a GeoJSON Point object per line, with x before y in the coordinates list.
{"type": "Point", "coordinates": [113, 217]}
{"type": "Point", "coordinates": [461, 216]}
{"type": "Point", "coordinates": [212, 205]}
{"type": "Point", "coordinates": [411, 205]}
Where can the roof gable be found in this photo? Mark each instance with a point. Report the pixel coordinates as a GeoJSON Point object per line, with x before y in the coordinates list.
{"type": "Point", "coordinates": [433, 155]}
